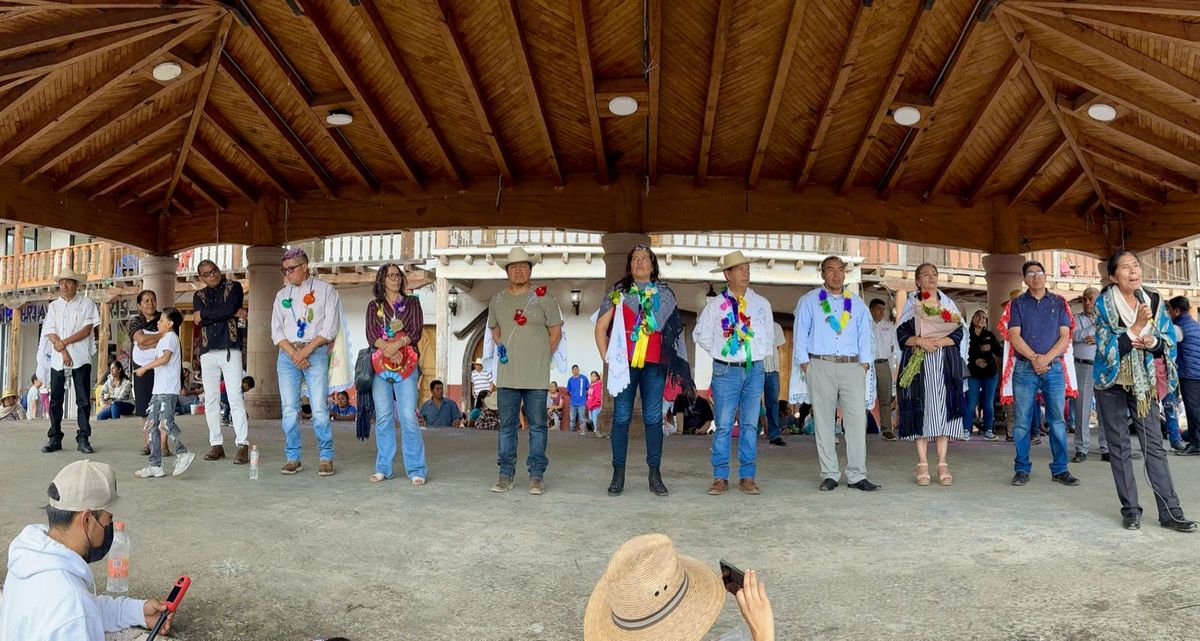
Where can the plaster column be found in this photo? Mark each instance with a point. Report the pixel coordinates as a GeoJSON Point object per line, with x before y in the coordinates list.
{"type": "Point", "coordinates": [616, 247]}
{"type": "Point", "coordinates": [264, 280]}
{"type": "Point", "coordinates": [443, 320]}
{"type": "Point", "coordinates": [1003, 272]}
{"type": "Point", "coordinates": [158, 275]}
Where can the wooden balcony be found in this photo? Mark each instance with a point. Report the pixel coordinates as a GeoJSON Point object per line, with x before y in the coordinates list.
{"type": "Point", "coordinates": [97, 262]}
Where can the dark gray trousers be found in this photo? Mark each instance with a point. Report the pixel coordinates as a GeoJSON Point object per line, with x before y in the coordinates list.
{"type": "Point", "coordinates": [1114, 406]}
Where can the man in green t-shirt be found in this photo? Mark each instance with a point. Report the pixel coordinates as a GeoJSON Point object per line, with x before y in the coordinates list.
{"type": "Point", "coordinates": [526, 325]}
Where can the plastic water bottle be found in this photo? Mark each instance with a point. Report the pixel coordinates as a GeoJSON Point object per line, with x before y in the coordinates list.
{"type": "Point", "coordinates": [118, 561]}
{"type": "Point", "coordinates": [254, 463]}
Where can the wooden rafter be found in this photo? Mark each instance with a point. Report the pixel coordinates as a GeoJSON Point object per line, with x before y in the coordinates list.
{"type": "Point", "coordinates": [950, 73]}
{"type": "Point", "coordinates": [654, 79]}
{"type": "Point", "coordinates": [1038, 169]}
{"type": "Point", "coordinates": [1010, 143]}
{"type": "Point", "coordinates": [516, 34]}
{"type": "Point", "coordinates": [1056, 198]}
{"type": "Point", "coordinates": [1127, 205]}
{"type": "Point", "coordinates": [1186, 8]}
{"type": "Point", "coordinates": [1135, 163]}
{"type": "Point", "coordinates": [226, 170]}
{"type": "Point", "coordinates": [584, 49]}
{"type": "Point", "coordinates": [908, 51]}
{"type": "Point", "coordinates": [1022, 46]}
{"type": "Point", "coordinates": [783, 65]}
{"type": "Point", "coordinates": [74, 5]}
{"type": "Point", "coordinates": [15, 96]}
{"type": "Point", "coordinates": [382, 38]}
{"type": "Point", "coordinates": [1129, 184]}
{"type": "Point", "coordinates": [324, 181]}
{"type": "Point", "coordinates": [145, 189]}
{"type": "Point", "coordinates": [134, 170]}
{"type": "Point", "coordinates": [82, 95]}
{"type": "Point", "coordinates": [204, 190]}
{"type": "Point", "coordinates": [368, 103]}
{"type": "Point", "coordinates": [133, 141]}
{"type": "Point", "coordinates": [182, 203]}
{"type": "Point", "coordinates": [1160, 27]}
{"type": "Point", "coordinates": [715, 72]}
{"type": "Point", "coordinates": [219, 122]}
{"type": "Point", "coordinates": [1134, 134]}
{"type": "Point", "coordinates": [458, 58]}
{"type": "Point", "coordinates": [842, 78]}
{"type": "Point", "coordinates": [206, 82]}
{"type": "Point", "coordinates": [81, 27]}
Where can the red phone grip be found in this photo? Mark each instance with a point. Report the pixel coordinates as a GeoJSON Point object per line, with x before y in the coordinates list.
{"type": "Point", "coordinates": [180, 589]}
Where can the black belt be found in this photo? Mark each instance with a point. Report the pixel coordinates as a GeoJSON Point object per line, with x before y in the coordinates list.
{"type": "Point", "coordinates": [883, 360]}
{"type": "Point", "coordinates": [1084, 361]}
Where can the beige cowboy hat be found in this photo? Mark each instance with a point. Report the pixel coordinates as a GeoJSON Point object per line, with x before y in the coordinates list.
{"type": "Point", "coordinates": [7, 393]}
{"type": "Point", "coordinates": [490, 401]}
{"type": "Point", "coordinates": [731, 260]}
{"type": "Point", "coordinates": [516, 255]}
{"type": "Point", "coordinates": [69, 274]}
{"type": "Point", "coordinates": [650, 591]}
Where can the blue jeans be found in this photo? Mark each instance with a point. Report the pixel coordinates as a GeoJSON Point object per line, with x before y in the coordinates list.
{"type": "Point", "coordinates": [579, 416]}
{"type": "Point", "coordinates": [771, 391]}
{"type": "Point", "coordinates": [404, 394]}
{"type": "Point", "coordinates": [1026, 384]}
{"type": "Point", "coordinates": [651, 380]}
{"type": "Point", "coordinates": [980, 389]}
{"type": "Point", "coordinates": [594, 417]}
{"type": "Point", "coordinates": [317, 379]}
{"type": "Point", "coordinates": [736, 388]}
{"type": "Point", "coordinates": [117, 408]}
{"type": "Point", "coordinates": [509, 403]}
{"type": "Point", "coordinates": [1170, 405]}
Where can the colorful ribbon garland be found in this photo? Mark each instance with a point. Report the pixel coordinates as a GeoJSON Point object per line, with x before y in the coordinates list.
{"type": "Point", "coordinates": [644, 324]}
{"type": "Point", "coordinates": [837, 323]}
{"type": "Point", "coordinates": [736, 326]}
{"type": "Point", "coordinates": [305, 318]}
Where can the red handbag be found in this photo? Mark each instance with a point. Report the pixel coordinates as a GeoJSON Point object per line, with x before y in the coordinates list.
{"type": "Point", "coordinates": [393, 369]}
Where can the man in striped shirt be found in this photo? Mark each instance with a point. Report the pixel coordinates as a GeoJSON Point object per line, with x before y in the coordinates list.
{"type": "Point", "coordinates": [481, 380]}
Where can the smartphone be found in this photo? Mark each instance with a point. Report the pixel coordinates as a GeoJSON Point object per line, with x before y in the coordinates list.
{"type": "Point", "coordinates": [732, 577]}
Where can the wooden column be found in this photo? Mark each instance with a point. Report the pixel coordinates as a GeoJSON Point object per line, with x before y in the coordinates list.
{"type": "Point", "coordinates": [14, 349]}
{"type": "Point", "coordinates": [102, 343]}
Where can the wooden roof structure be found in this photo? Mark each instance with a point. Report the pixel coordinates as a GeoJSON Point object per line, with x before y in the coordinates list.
{"type": "Point", "coordinates": [768, 115]}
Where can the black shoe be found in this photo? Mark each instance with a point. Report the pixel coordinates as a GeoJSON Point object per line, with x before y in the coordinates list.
{"type": "Point", "coordinates": [656, 483]}
{"type": "Point", "coordinates": [828, 485]}
{"type": "Point", "coordinates": [865, 486]}
{"type": "Point", "coordinates": [1020, 478]}
{"type": "Point", "coordinates": [1191, 450]}
{"type": "Point", "coordinates": [1008, 439]}
{"type": "Point", "coordinates": [1105, 457]}
{"type": "Point", "coordinates": [85, 447]}
{"type": "Point", "coordinates": [618, 481]}
{"type": "Point", "coordinates": [1065, 478]}
{"type": "Point", "coordinates": [51, 446]}
{"type": "Point", "coordinates": [1079, 457]}
{"type": "Point", "coordinates": [778, 440]}
{"type": "Point", "coordinates": [1132, 522]}
{"type": "Point", "coordinates": [1181, 525]}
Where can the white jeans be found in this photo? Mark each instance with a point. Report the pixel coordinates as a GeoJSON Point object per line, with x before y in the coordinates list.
{"type": "Point", "coordinates": [213, 366]}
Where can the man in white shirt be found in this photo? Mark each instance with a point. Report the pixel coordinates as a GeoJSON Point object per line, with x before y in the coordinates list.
{"type": "Point", "coordinates": [68, 327]}
{"type": "Point", "coordinates": [887, 355]}
{"type": "Point", "coordinates": [481, 380]}
{"type": "Point", "coordinates": [737, 329]}
{"type": "Point", "coordinates": [1084, 343]}
{"type": "Point", "coordinates": [304, 321]}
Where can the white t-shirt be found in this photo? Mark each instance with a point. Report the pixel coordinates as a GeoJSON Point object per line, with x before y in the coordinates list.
{"type": "Point", "coordinates": [143, 356]}
{"type": "Point", "coordinates": [166, 376]}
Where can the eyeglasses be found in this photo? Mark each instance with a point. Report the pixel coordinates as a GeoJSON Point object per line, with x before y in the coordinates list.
{"type": "Point", "coordinates": [288, 270]}
{"type": "Point", "coordinates": [394, 276]}
{"type": "Point", "coordinates": [1035, 274]}
{"type": "Point", "coordinates": [209, 274]}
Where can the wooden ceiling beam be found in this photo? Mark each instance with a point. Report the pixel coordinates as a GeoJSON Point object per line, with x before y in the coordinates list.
{"type": "Point", "coordinates": [1059, 195]}
{"type": "Point", "coordinates": [458, 58]}
{"type": "Point", "coordinates": [219, 122]}
{"type": "Point", "coordinates": [858, 28]}
{"type": "Point", "coordinates": [80, 27]}
{"type": "Point", "coordinates": [1133, 134]}
{"type": "Point", "coordinates": [13, 97]}
{"type": "Point", "coordinates": [134, 170]}
{"type": "Point", "coordinates": [83, 95]}
{"type": "Point", "coordinates": [654, 78]}
{"type": "Point", "coordinates": [1135, 163]}
{"type": "Point", "coordinates": [145, 189]}
{"type": "Point", "coordinates": [516, 34]}
{"type": "Point", "coordinates": [182, 203]}
{"type": "Point", "coordinates": [1010, 143]}
{"type": "Point", "coordinates": [1008, 73]}
{"type": "Point", "coordinates": [206, 81]}
{"type": "Point", "coordinates": [787, 53]}
{"type": "Point", "coordinates": [382, 38]}
{"type": "Point", "coordinates": [133, 141]}
{"type": "Point", "coordinates": [1130, 185]}
{"type": "Point", "coordinates": [38, 203]}
{"type": "Point", "coordinates": [1186, 8]}
{"type": "Point", "coordinates": [56, 5]}
{"type": "Point", "coordinates": [204, 190]}
{"type": "Point", "coordinates": [1020, 43]}
{"type": "Point", "coordinates": [1127, 205]}
{"type": "Point", "coordinates": [1159, 27]}
{"type": "Point", "coordinates": [715, 72]}
{"type": "Point", "coordinates": [318, 172]}
{"type": "Point", "coordinates": [368, 103]}
{"type": "Point", "coordinates": [1038, 169]}
{"type": "Point", "coordinates": [226, 171]}
{"type": "Point", "coordinates": [584, 50]}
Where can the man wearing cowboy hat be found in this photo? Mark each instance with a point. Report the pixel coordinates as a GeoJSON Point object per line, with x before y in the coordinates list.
{"type": "Point", "coordinates": [526, 326]}
{"type": "Point", "coordinates": [68, 328]}
{"type": "Point", "coordinates": [737, 329]}
{"type": "Point", "coordinates": [49, 591]}
{"type": "Point", "coordinates": [481, 379]}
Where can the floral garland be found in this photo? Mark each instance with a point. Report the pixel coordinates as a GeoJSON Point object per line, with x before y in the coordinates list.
{"type": "Point", "coordinates": [736, 326]}
{"type": "Point", "coordinates": [942, 322]}
{"type": "Point", "coordinates": [838, 323]}
{"type": "Point", "coordinates": [644, 324]}
{"type": "Point", "coordinates": [520, 319]}
{"type": "Point", "coordinates": [305, 318]}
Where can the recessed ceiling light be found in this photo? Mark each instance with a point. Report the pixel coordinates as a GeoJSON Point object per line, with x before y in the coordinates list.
{"type": "Point", "coordinates": [339, 117]}
{"type": "Point", "coordinates": [623, 106]}
{"type": "Point", "coordinates": [166, 71]}
{"type": "Point", "coordinates": [907, 116]}
{"type": "Point", "coordinates": [1102, 113]}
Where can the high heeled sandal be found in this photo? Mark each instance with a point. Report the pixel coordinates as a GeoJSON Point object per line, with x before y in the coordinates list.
{"type": "Point", "coordinates": [944, 478]}
{"type": "Point", "coordinates": [922, 477]}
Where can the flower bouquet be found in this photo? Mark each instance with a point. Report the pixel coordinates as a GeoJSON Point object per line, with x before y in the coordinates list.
{"type": "Point", "coordinates": [931, 320]}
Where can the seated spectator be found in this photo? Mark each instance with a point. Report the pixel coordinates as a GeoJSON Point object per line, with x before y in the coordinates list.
{"type": "Point", "coordinates": [190, 392]}
{"type": "Point", "coordinates": [116, 395]}
{"type": "Point", "coordinates": [691, 413]}
{"type": "Point", "coordinates": [489, 415]}
{"type": "Point", "coordinates": [10, 407]}
{"type": "Point", "coordinates": [342, 410]}
{"type": "Point", "coordinates": [439, 411]}
{"type": "Point", "coordinates": [49, 590]}
{"type": "Point", "coordinates": [226, 416]}
{"type": "Point", "coordinates": [33, 399]}
{"type": "Point", "coordinates": [306, 409]}
{"type": "Point", "coordinates": [650, 591]}
{"type": "Point", "coordinates": [556, 407]}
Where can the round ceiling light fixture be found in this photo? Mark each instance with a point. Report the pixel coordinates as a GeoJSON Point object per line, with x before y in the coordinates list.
{"type": "Point", "coordinates": [339, 118]}
{"type": "Point", "coordinates": [1101, 112]}
{"type": "Point", "coordinates": [167, 71]}
{"type": "Point", "coordinates": [907, 116]}
{"type": "Point", "coordinates": [623, 106]}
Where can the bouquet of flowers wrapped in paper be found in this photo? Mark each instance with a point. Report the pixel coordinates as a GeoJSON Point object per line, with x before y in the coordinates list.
{"type": "Point", "coordinates": [930, 320]}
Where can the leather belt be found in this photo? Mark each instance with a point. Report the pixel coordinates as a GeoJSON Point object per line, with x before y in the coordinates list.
{"type": "Point", "coordinates": [883, 360]}
{"type": "Point", "coordinates": [1084, 361]}
{"type": "Point", "coordinates": [835, 359]}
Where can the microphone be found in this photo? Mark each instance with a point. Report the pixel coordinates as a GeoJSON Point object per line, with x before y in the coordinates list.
{"type": "Point", "coordinates": [1141, 298]}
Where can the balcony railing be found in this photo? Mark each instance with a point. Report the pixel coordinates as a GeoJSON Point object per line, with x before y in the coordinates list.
{"type": "Point", "coordinates": [730, 241]}
{"type": "Point", "coordinates": [512, 237]}
{"type": "Point", "coordinates": [93, 261]}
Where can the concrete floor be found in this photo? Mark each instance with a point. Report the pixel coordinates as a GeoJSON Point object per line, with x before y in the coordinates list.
{"type": "Point", "coordinates": [297, 558]}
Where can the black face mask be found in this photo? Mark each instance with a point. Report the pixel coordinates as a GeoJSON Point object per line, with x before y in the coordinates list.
{"type": "Point", "coordinates": [98, 553]}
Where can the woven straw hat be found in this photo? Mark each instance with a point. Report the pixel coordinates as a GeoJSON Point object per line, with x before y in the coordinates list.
{"type": "Point", "coordinates": [69, 274]}
{"type": "Point", "coordinates": [7, 393]}
{"type": "Point", "coordinates": [731, 260]}
{"type": "Point", "coordinates": [650, 591]}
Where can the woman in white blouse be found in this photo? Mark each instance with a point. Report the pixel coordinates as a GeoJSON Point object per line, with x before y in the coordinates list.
{"type": "Point", "coordinates": [116, 395]}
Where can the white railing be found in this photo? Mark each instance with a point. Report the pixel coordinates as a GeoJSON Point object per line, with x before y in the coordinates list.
{"type": "Point", "coordinates": [507, 237]}
{"type": "Point", "coordinates": [784, 242]}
